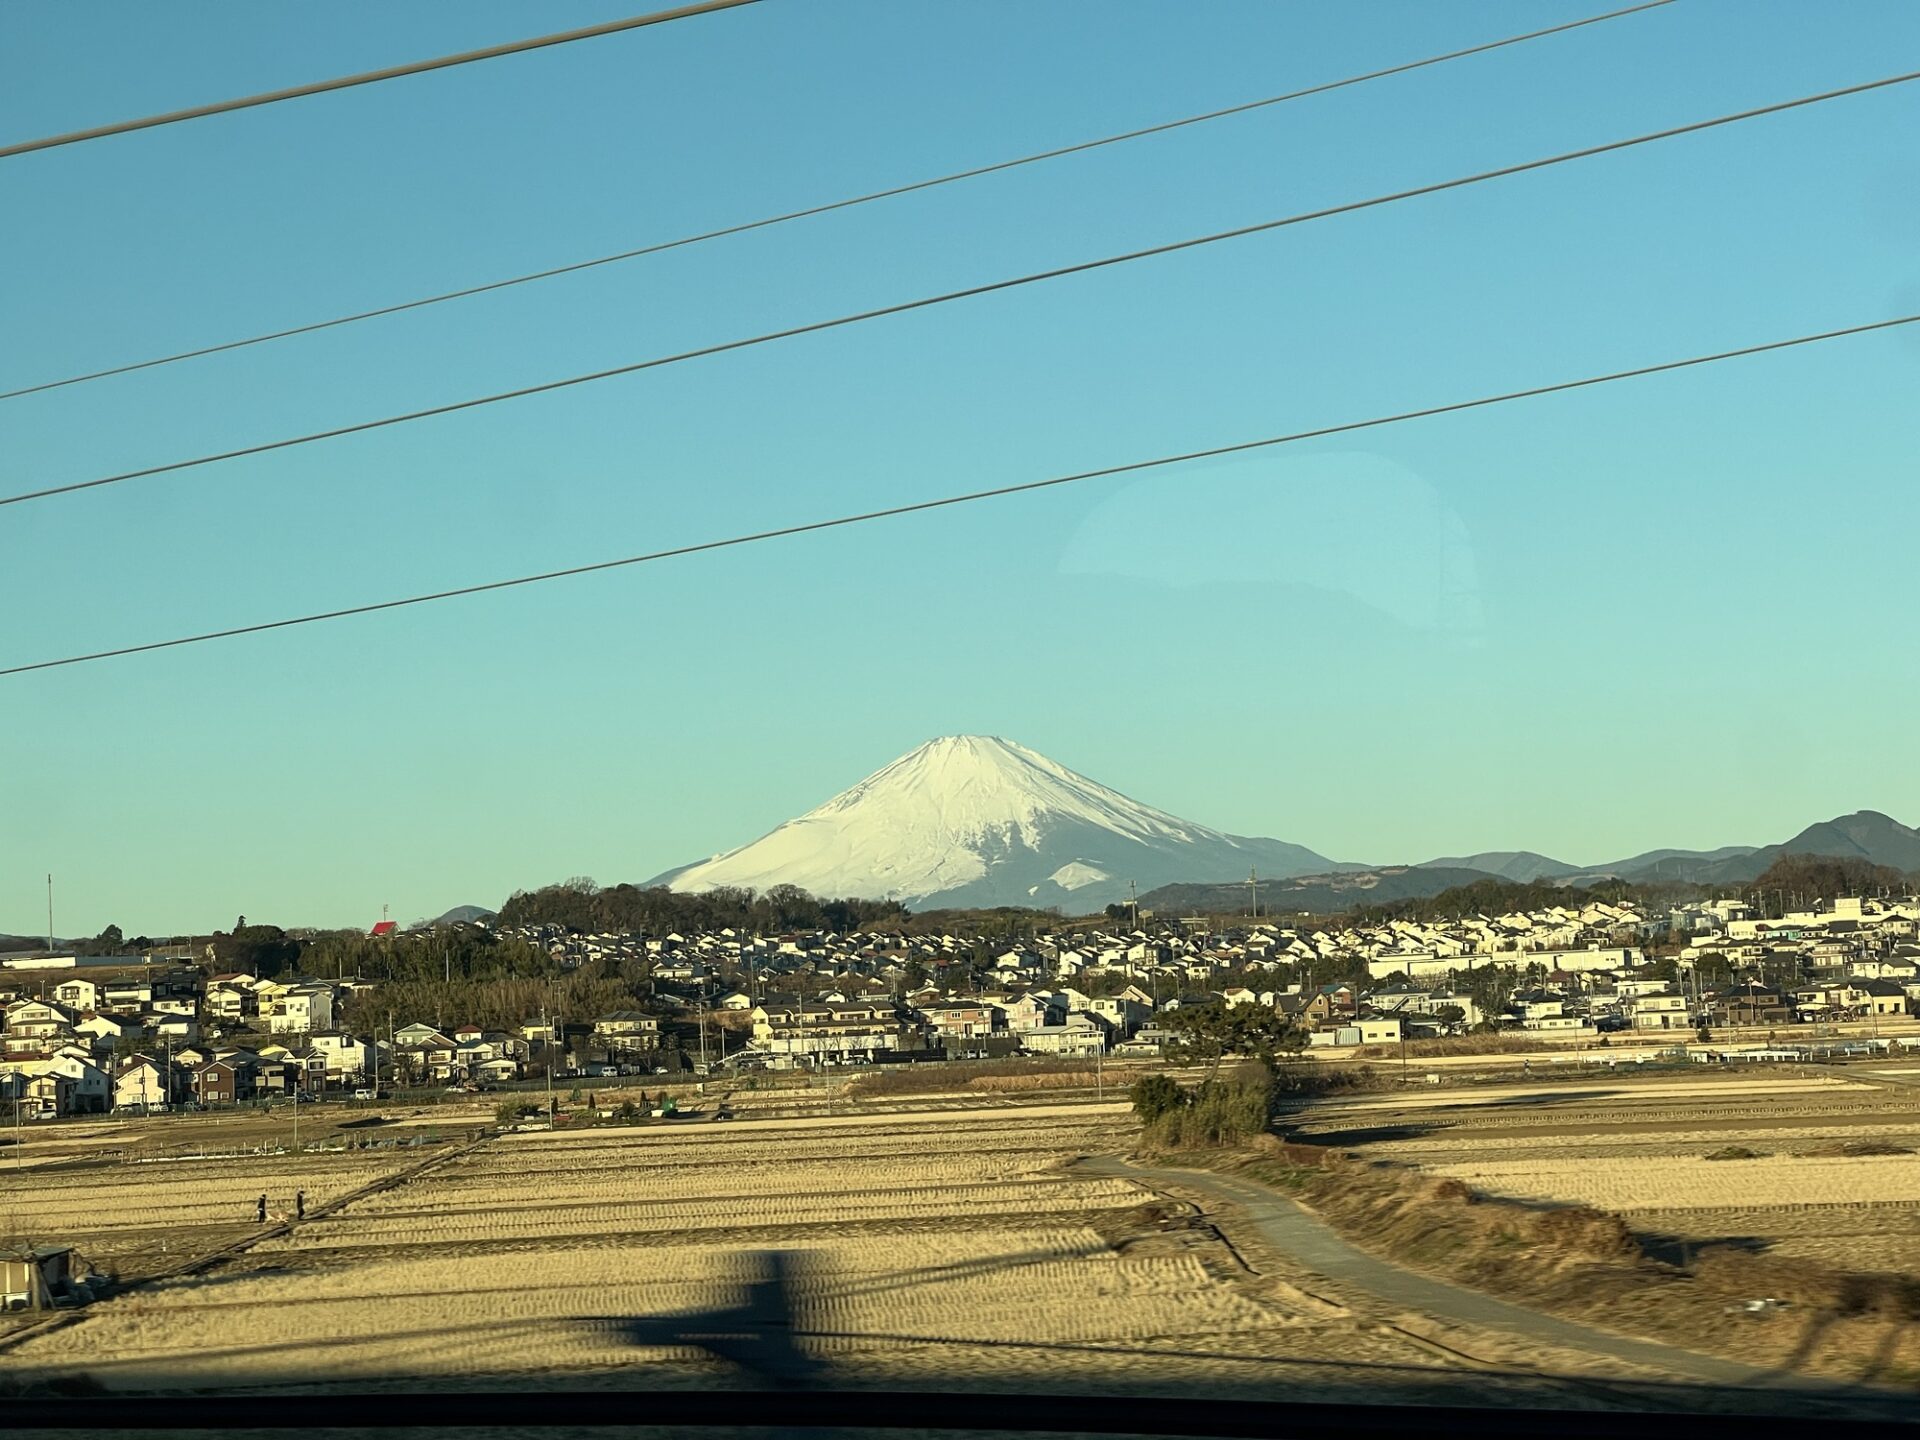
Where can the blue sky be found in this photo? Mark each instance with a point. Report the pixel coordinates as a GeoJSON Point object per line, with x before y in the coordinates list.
{"type": "Point", "coordinates": [1670, 612]}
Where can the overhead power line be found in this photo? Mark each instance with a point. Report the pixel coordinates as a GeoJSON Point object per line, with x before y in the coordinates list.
{"type": "Point", "coordinates": [812, 210]}
{"type": "Point", "coordinates": [370, 77]}
{"type": "Point", "coordinates": [972, 496]}
{"type": "Point", "coordinates": [969, 292]}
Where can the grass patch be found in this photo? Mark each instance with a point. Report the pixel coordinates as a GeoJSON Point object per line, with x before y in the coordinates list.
{"type": "Point", "coordinates": [1857, 1149]}
{"type": "Point", "coordinates": [1498, 1044]}
{"type": "Point", "coordinates": [1734, 1152]}
{"type": "Point", "coordinates": [934, 1078]}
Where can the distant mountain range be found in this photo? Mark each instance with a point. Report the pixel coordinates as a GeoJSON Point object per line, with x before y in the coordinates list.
{"type": "Point", "coordinates": [1864, 835]}
{"type": "Point", "coordinates": [978, 821]}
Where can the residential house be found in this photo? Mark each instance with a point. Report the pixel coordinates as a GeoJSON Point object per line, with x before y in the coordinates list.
{"type": "Point", "coordinates": [1884, 997]}
{"type": "Point", "coordinates": [301, 1011]}
{"type": "Point", "coordinates": [104, 1031]}
{"type": "Point", "coordinates": [627, 1031]}
{"type": "Point", "coordinates": [1029, 1012]}
{"type": "Point", "coordinates": [827, 1033]}
{"type": "Point", "coordinates": [1079, 1035]}
{"type": "Point", "coordinates": [77, 994]}
{"type": "Point", "coordinates": [1665, 1011]}
{"type": "Point", "coordinates": [223, 1082]}
{"type": "Point", "coordinates": [36, 1027]}
{"type": "Point", "coordinates": [961, 1020]}
{"type": "Point", "coordinates": [147, 1082]}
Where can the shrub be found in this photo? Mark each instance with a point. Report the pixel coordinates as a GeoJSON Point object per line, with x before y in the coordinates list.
{"type": "Point", "coordinates": [1735, 1152]}
{"type": "Point", "coordinates": [1156, 1095]}
{"type": "Point", "coordinates": [1230, 1110]}
{"type": "Point", "coordinates": [1857, 1149]}
{"type": "Point", "coordinates": [1582, 1230]}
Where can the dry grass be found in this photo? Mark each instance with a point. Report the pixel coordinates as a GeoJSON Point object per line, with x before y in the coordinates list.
{"type": "Point", "coordinates": [1496, 1044]}
{"type": "Point", "coordinates": [1044, 1080]}
{"type": "Point", "coordinates": [958, 1077]}
{"type": "Point", "coordinates": [1684, 1182]}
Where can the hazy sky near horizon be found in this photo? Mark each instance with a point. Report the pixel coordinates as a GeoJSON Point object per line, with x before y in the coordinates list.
{"type": "Point", "coordinates": [1676, 611]}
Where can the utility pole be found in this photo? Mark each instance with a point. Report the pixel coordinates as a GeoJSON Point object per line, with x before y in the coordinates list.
{"type": "Point", "coordinates": [49, 912]}
{"type": "Point", "coordinates": [1253, 890]}
{"type": "Point", "coordinates": [553, 1036]}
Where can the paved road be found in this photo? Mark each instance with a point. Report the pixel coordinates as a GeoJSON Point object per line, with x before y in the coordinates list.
{"type": "Point", "coordinates": [1304, 1237]}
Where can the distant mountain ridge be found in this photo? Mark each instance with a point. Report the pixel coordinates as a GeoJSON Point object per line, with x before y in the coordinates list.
{"type": "Point", "coordinates": [1311, 894]}
{"type": "Point", "coordinates": [1865, 834]}
{"type": "Point", "coordinates": [1522, 866]}
{"type": "Point", "coordinates": [15, 943]}
{"type": "Point", "coordinates": [458, 915]}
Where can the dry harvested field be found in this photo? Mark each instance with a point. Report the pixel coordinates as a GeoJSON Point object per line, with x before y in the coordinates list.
{"type": "Point", "coordinates": [136, 1214]}
{"type": "Point", "coordinates": [935, 1249]}
{"type": "Point", "coordinates": [1640, 1150]}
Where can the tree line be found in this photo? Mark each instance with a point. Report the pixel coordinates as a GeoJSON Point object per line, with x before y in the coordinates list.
{"type": "Point", "coordinates": [580, 904]}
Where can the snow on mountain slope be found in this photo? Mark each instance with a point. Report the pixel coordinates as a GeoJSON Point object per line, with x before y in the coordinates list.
{"type": "Point", "coordinates": [977, 820]}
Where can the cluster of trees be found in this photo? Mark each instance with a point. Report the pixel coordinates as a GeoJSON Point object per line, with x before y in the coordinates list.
{"type": "Point", "coordinates": [1797, 882]}
{"type": "Point", "coordinates": [263, 950]}
{"type": "Point", "coordinates": [1207, 1034]}
{"type": "Point", "coordinates": [580, 904]}
{"type": "Point", "coordinates": [499, 1003]}
{"type": "Point", "coordinates": [454, 952]}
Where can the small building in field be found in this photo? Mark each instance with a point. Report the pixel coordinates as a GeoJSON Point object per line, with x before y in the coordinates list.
{"type": "Point", "coordinates": [33, 1279]}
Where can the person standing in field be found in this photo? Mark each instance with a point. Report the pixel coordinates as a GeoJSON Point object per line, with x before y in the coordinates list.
{"type": "Point", "coordinates": [260, 1213]}
{"type": "Point", "coordinates": [299, 1204]}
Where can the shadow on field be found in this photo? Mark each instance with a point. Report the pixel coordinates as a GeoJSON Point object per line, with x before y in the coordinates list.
{"type": "Point", "coordinates": [757, 1334]}
{"type": "Point", "coordinates": [1359, 1135]}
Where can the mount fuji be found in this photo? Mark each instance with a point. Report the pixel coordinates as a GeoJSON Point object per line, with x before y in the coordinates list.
{"type": "Point", "coordinates": [974, 820]}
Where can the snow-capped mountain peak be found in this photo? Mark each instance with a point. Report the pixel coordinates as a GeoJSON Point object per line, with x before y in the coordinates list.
{"type": "Point", "coordinates": [972, 786]}
{"type": "Point", "coordinates": [979, 820]}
